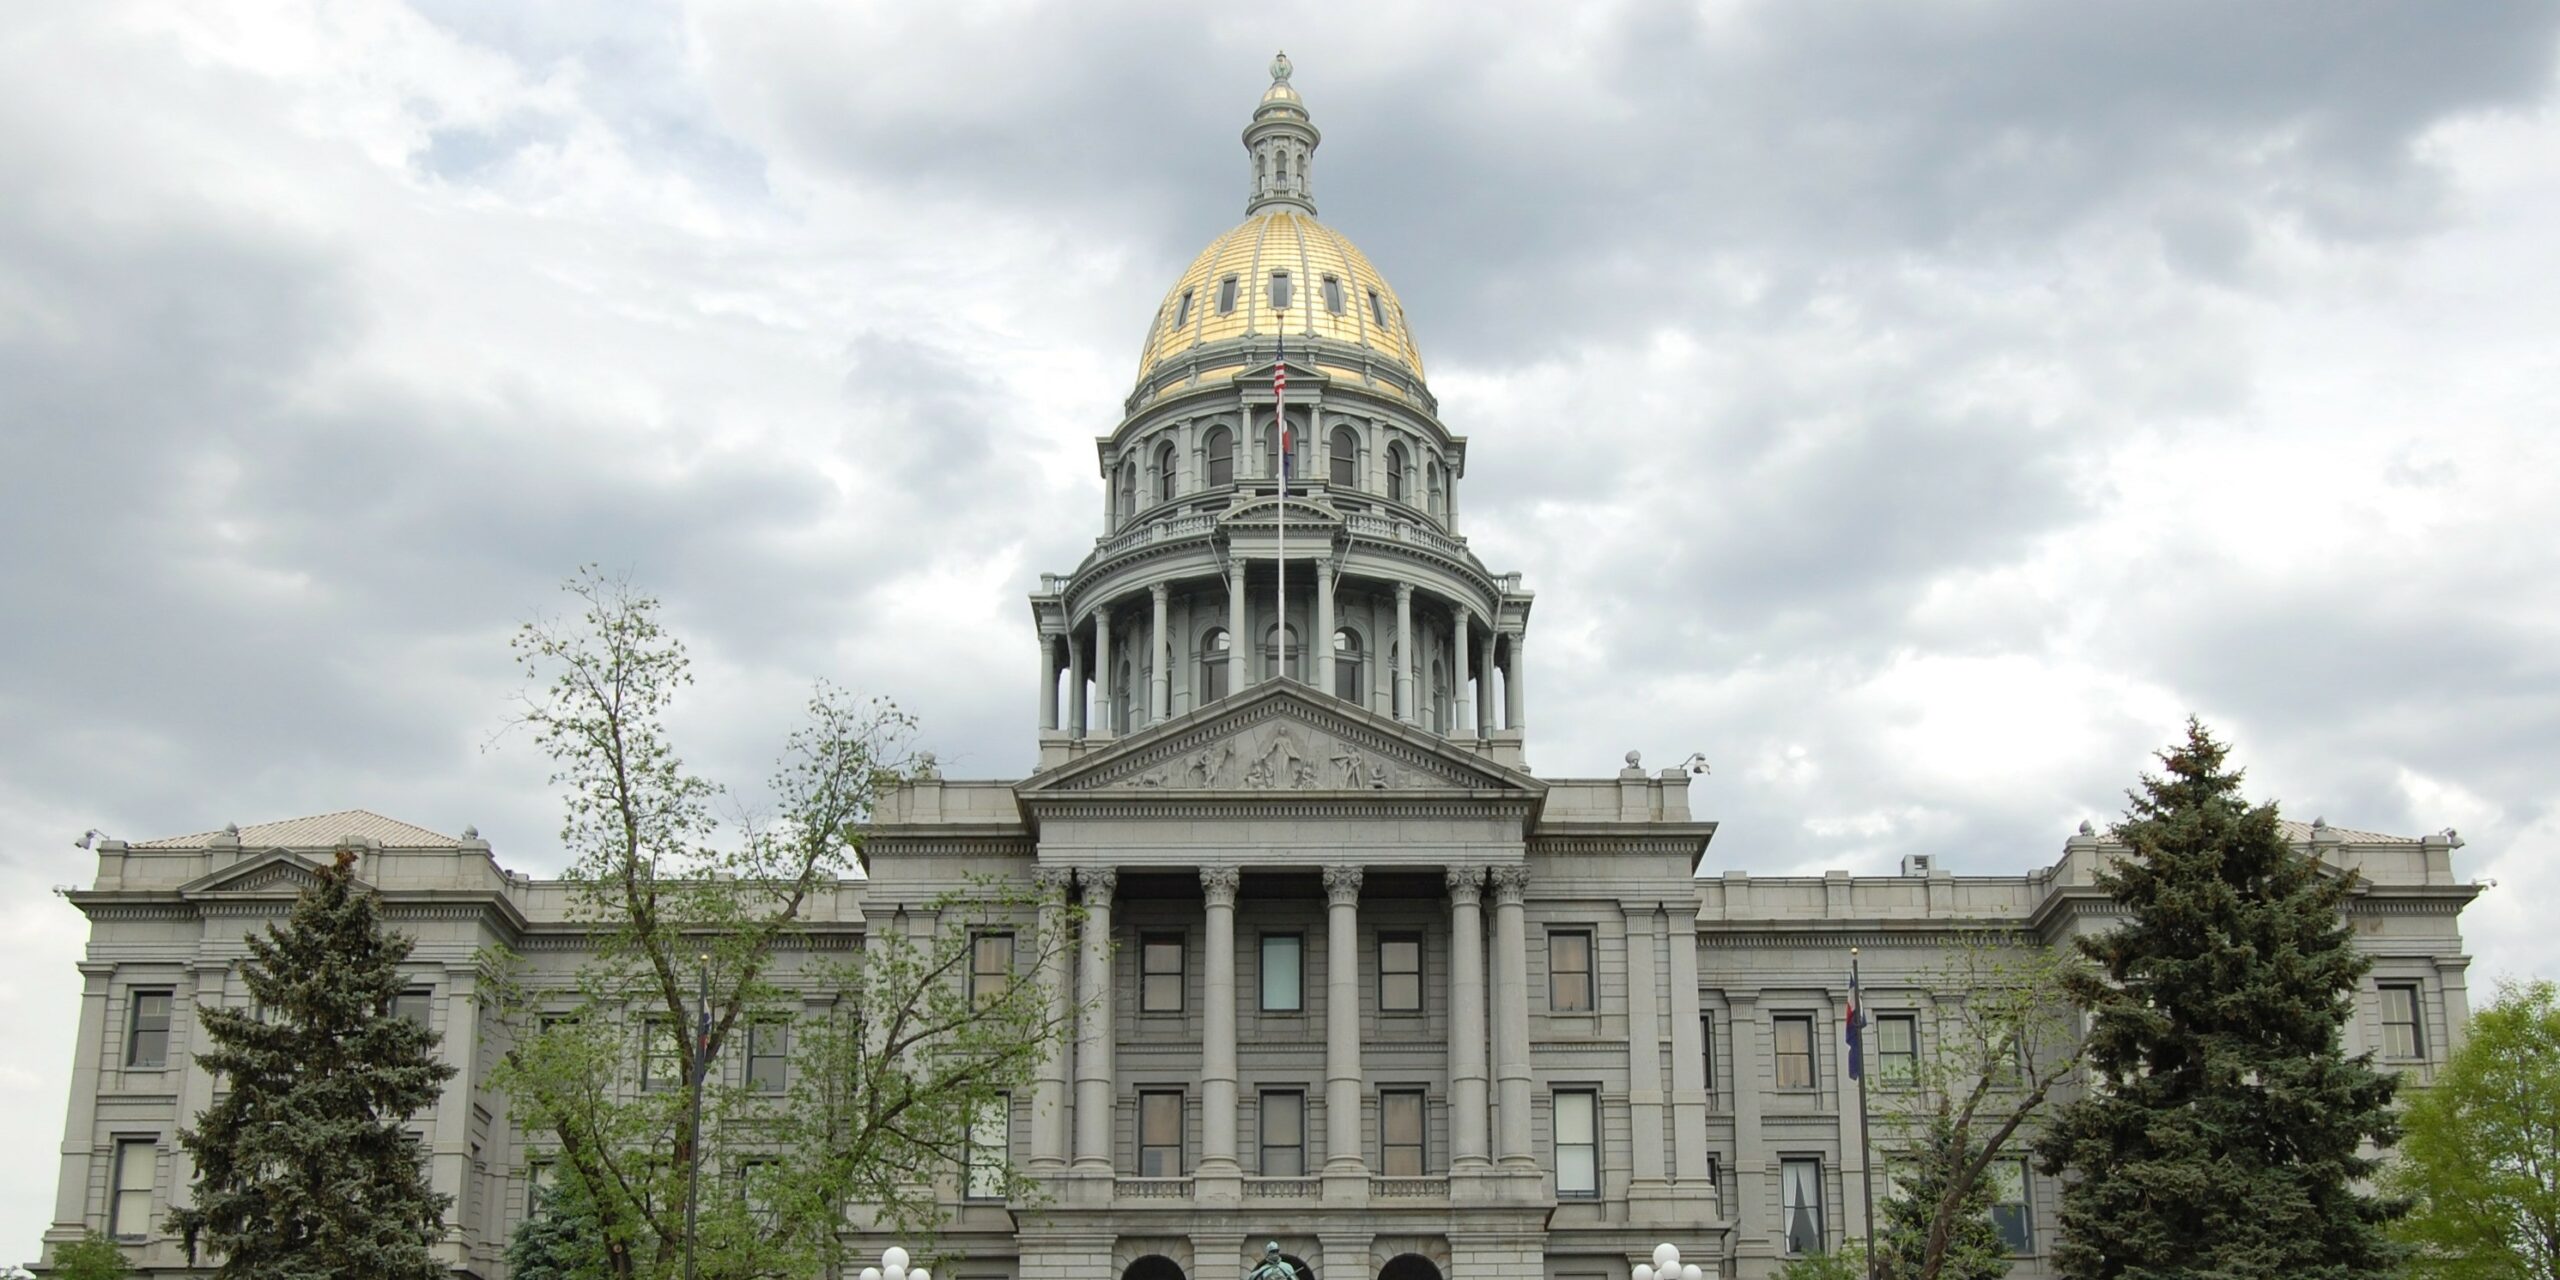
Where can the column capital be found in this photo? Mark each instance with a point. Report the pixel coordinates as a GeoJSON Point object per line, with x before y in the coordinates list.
{"type": "Point", "coordinates": [1342, 886]}
{"type": "Point", "coordinates": [1161, 591]}
{"type": "Point", "coordinates": [1220, 884]}
{"type": "Point", "coordinates": [1404, 591]}
{"type": "Point", "coordinates": [1098, 881]}
{"type": "Point", "coordinates": [1510, 885]}
{"type": "Point", "coordinates": [1466, 885]}
{"type": "Point", "coordinates": [1052, 882]}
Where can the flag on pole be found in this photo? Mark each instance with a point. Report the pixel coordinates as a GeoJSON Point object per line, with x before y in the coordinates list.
{"type": "Point", "coordinates": [1857, 1024]}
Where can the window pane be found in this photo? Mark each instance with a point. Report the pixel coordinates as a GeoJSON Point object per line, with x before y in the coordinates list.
{"type": "Point", "coordinates": [2009, 1204]}
{"type": "Point", "coordinates": [412, 1005]}
{"type": "Point", "coordinates": [1569, 972]}
{"type": "Point", "coordinates": [1280, 973]}
{"type": "Point", "coordinates": [1800, 1204]}
{"type": "Point", "coordinates": [1577, 1171]}
{"type": "Point", "coordinates": [1226, 295]}
{"type": "Point", "coordinates": [768, 1050]}
{"type": "Point", "coordinates": [1279, 290]}
{"type": "Point", "coordinates": [2400, 1038]}
{"type": "Point", "coordinates": [1284, 1135]}
{"type": "Point", "coordinates": [990, 1138]}
{"type": "Point", "coordinates": [137, 1167]}
{"type": "Point", "coordinates": [1159, 1135]}
{"type": "Point", "coordinates": [147, 1045]}
{"type": "Point", "coordinates": [1794, 1036]}
{"type": "Point", "coordinates": [1333, 294]}
{"type": "Point", "coordinates": [1573, 1117]}
{"type": "Point", "coordinates": [991, 966]}
{"type": "Point", "coordinates": [1707, 1045]}
{"type": "Point", "coordinates": [1577, 1151]}
{"type": "Point", "coordinates": [1160, 959]}
{"type": "Point", "coordinates": [1182, 310]}
{"type": "Point", "coordinates": [1400, 993]}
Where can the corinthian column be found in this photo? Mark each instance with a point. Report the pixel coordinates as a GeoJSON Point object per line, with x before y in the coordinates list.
{"type": "Point", "coordinates": [1049, 1088]}
{"type": "Point", "coordinates": [1095, 1092]}
{"type": "Point", "coordinates": [1159, 673]}
{"type": "Point", "coordinates": [1511, 1013]}
{"type": "Point", "coordinates": [1405, 709]}
{"type": "Point", "coordinates": [1467, 1146]}
{"type": "Point", "coordinates": [1342, 1022]}
{"type": "Point", "coordinates": [1462, 720]}
{"type": "Point", "coordinates": [1237, 671]}
{"type": "Point", "coordinates": [1103, 684]}
{"type": "Point", "coordinates": [1218, 1027]}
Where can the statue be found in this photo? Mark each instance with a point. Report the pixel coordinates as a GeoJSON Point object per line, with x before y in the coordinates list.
{"type": "Point", "coordinates": [1273, 1266]}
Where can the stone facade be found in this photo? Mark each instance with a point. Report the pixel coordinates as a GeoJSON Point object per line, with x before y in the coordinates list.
{"type": "Point", "coordinates": [1359, 982]}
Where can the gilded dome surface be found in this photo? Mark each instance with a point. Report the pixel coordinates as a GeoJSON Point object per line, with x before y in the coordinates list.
{"type": "Point", "coordinates": [1357, 309]}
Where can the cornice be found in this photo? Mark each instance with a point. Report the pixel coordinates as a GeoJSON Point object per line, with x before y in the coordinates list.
{"type": "Point", "coordinates": [1760, 935]}
{"type": "Point", "coordinates": [1268, 804]}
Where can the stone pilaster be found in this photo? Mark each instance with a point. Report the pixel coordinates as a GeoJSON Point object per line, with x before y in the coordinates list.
{"type": "Point", "coordinates": [1096, 1091]}
{"type": "Point", "coordinates": [1511, 1014]}
{"type": "Point", "coordinates": [1102, 675]}
{"type": "Point", "coordinates": [1469, 1144]}
{"type": "Point", "coordinates": [1218, 1164]}
{"type": "Point", "coordinates": [1404, 655]}
{"type": "Point", "coordinates": [1159, 673]}
{"type": "Point", "coordinates": [1237, 641]}
{"type": "Point", "coordinates": [1049, 1086]}
{"type": "Point", "coordinates": [1344, 1156]}
{"type": "Point", "coordinates": [1462, 719]}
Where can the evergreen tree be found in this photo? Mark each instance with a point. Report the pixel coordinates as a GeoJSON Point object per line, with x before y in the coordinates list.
{"type": "Point", "coordinates": [1944, 1154]}
{"type": "Point", "coordinates": [2221, 1134]}
{"type": "Point", "coordinates": [560, 1239]}
{"type": "Point", "coordinates": [304, 1170]}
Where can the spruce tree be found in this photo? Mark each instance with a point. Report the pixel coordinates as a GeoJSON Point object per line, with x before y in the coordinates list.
{"type": "Point", "coordinates": [2223, 1131]}
{"type": "Point", "coordinates": [1974, 1250]}
{"type": "Point", "coordinates": [304, 1167]}
{"type": "Point", "coordinates": [560, 1239]}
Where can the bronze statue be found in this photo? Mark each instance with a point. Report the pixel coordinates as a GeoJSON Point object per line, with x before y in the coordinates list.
{"type": "Point", "coordinates": [1273, 1266]}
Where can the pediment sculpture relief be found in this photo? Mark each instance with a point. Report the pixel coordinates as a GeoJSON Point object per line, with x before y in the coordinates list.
{"type": "Point", "coordinates": [1280, 756]}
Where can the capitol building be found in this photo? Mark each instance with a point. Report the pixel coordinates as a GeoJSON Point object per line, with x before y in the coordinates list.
{"type": "Point", "coordinates": [1353, 978]}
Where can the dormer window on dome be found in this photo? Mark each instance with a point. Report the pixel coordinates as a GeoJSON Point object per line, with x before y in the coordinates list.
{"type": "Point", "coordinates": [1333, 294]}
{"type": "Point", "coordinates": [1279, 290]}
{"type": "Point", "coordinates": [1227, 296]}
{"type": "Point", "coordinates": [1378, 308]}
{"type": "Point", "coordinates": [1182, 311]}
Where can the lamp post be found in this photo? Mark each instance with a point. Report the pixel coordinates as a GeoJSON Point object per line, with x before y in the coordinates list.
{"type": "Point", "coordinates": [893, 1266]}
{"type": "Point", "coordinates": [1666, 1265]}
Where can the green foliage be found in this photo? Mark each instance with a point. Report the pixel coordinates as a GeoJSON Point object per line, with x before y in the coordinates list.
{"type": "Point", "coordinates": [2222, 1134]}
{"type": "Point", "coordinates": [91, 1257]}
{"type": "Point", "coordinates": [885, 1069]}
{"type": "Point", "coordinates": [561, 1239]}
{"type": "Point", "coordinates": [1937, 1222]}
{"type": "Point", "coordinates": [2481, 1158]}
{"type": "Point", "coordinates": [2002, 1040]}
{"type": "Point", "coordinates": [304, 1167]}
{"type": "Point", "coordinates": [1848, 1262]}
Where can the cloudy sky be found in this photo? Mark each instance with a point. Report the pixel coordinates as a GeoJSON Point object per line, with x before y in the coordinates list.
{"type": "Point", "coordinates": [1919, 409]}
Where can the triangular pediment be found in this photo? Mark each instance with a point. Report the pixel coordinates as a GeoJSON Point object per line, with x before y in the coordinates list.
{"type": "Point", "coordinates": [278, 873]}
{"type": "Point", "coordinates": [1314, 516]}
{"type": "Point", "coordinates": [1281, 736]}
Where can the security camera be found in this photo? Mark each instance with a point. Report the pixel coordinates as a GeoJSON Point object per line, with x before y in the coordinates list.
{"type": "Point", "coordinates": [89, 839]}
{"type": "Point", "coordinates": [1696, 764]}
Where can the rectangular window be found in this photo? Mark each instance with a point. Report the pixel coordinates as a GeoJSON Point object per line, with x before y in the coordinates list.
{"type": "Point", "coordinates": [1569, 971]}
{"type": "Point", "coordinates": [1279, 290]}
{"type": "Point", "coordinates": [2009, 1205]}
{"type": "Point", "coordinates": [540, 1177]}
{"type": "Point", "coordinates": [1793, 1034]}
{"type": "Point", "coordinates": [1159, 1133]}
{"type": "Point", "coordinates": [1577, 1142]}
{"type": "Point", "coordinates": [661, 1054]}
{"type": "Point", "coordinates": [137, 1167]}
{"type": "Point", "coordinates": [1333, 294]}
{"type": "Point", "coordinates": [1378, 308]}
{"type": "Point", "coordinates": [1160, 973]}
{"type": "Point", "coordinates": [1897, 1050]}
{"type": "Point", "coordinates": [990, 1149]}
{"type": "Point", "coordinates": [768, 1055]}
{"type": "Point", "coordinates": [1280, 972]}
{"type": "Point", "coordinates": [1707, 1046]}
{"type": "Point", "coordinates": [756, 1179]}
{"type": "Point", "coordinates": [1400, 1133]}
{"type": "Point", "coordinates": [1227, 296]}
{"type": "Point", "coordinates": [1284, 1133]}
{"type": "Point", "coordinates": [1800, 1204]}
{"type": "Point", "coordinates": [990, 966]}
{"type": "Point", "coordinates": [414, 1004]}
{"type": "Point", "coordinates": [146, 1042]}
{"type": "Point", "coordinates": [1400, 973]}
{"type": "Point", "coordinates": [2402, 1034]}
{"type": "Point", "coordinates": [1182, 310]}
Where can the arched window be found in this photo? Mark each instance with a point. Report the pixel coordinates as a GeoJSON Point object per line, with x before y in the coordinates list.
{"type": "Point", "coordinates": [1213, 665]}
{"type": "Point", "coordinates": [1346, 458]}
{"type": "Point", "coordinates": [1432, 470]}
{"type": "Point", "coordinates": [1120, 699]}
{"type": "Point", "coordinates": [1271, 664]}
{"type": "Point", "coordinates": [1128, 488]}
{"type": "Point", "coordinates": [1164, 472]}
{"type": "Point", "coordinates": [1220, 446]}
{"type": "Point", "coordinates": [1348, 682]}
{"type": "Point", "coordinates": [1395, 473]}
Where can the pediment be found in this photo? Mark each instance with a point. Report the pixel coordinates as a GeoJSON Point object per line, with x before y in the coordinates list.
{"type": "Point", "coordinates": [1303, 513]}
{"type": "Point", "coordinates": [1282, 736]}
{"type": "Point", "coordinates": [276, 873]}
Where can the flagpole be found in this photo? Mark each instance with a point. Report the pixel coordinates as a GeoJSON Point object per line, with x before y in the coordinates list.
{"type": "Point", "coordinates": [1866, 1139]}
{"type": "Point", "coordinates": [1280, 467]}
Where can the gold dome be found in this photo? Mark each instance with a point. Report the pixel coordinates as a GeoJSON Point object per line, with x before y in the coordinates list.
{"type": "Point", "coordinates": [1282, 239]}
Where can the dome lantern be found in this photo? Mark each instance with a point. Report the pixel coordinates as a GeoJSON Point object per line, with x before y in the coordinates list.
{"type": "Point", "coordinates": [1281, 140]}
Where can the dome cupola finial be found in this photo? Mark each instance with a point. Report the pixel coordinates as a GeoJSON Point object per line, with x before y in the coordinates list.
{"type": "Point", "coordinates": [1281, 141]}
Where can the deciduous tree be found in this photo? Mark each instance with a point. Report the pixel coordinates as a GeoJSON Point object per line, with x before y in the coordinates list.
{"type": "Point", "coordinates": [2481, 1159]}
